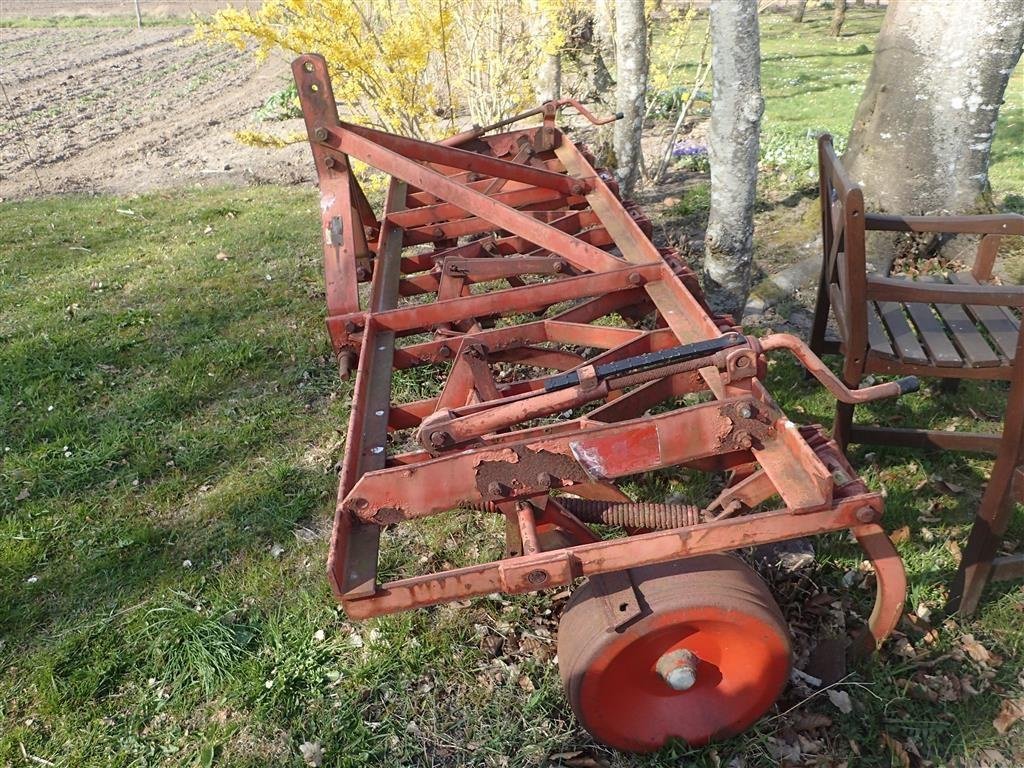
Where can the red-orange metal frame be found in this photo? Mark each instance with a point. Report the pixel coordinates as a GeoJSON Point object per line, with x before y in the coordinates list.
{"type": "Point", "coordinates": [508, 251]}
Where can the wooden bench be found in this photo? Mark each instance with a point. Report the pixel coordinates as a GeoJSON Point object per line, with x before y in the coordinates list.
{"type": "Point", "coordinates": [960, 326]}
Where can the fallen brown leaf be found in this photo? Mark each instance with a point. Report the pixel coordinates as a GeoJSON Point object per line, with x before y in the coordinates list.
{"type": "Point", "coordinates": [898, 750]}
{"type": "Point", "coordinates": [979, 652]}
{"type": "Point", "coordinates": [841, 700]}
{"type": "Point", "coordinates": [312, 754]}
{"type": "Point", "coordinates": [900, 535]}
{"type": "Point", "coordinates": [575, 759]}
{"type": "Point", "coordinates": [954, 550]}
{"type": "Point", "coordinates": [1010, 712]}
{"type": "Point", "coordinates": [811, 721]}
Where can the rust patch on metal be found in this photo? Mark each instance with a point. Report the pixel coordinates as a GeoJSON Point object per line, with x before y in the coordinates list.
{"type": "Point", "coordinates": [510, 477]}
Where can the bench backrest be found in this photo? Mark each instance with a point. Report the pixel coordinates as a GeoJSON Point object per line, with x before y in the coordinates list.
{"type": "Point", "coordinates": [842, 235]}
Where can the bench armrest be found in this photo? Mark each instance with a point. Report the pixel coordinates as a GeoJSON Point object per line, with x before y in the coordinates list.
{"type": "Point", "coordinates": [892, 289]}
{"type": "Point", "coordinates": [989, 224]}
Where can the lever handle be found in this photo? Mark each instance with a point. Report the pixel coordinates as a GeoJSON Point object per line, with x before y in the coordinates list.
{"type": "Point", "coordinates": [908, 384]}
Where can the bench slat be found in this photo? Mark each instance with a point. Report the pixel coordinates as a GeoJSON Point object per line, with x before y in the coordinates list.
{"type": "Point", "coordinates": [999, 322]}
{"type": "Point", "coordinates": [933, 334]}
{"type": "Point", "coordinates": [878, 340]}
{"type": "Point", "coordinates": [904, 339]}
{"type": "Point", "coordinates": [972, 344]}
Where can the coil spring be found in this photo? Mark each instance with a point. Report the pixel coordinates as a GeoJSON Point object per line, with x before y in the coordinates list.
{"type": "Point", "coordinates": [633, 514]}
{"type": "Point", "coordinates": [653, 516]}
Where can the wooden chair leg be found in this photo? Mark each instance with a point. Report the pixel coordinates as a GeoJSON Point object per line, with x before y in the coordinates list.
{"type": "Point", "coordinates": [853, 372]}
{"type": "Point", "coordinates": [822, 305]}
{"type": "Point", "coordinates": [982, 545]}
{"type": "Point", "coordinates": [841, 426]}
{"type": "Point", "coordinates": [1003, 491]}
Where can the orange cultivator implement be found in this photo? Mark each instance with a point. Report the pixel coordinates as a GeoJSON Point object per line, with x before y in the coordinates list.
{"type": "Point", "coordinates": [569, 353]}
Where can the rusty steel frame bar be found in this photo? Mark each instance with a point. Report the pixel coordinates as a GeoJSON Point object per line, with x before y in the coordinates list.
{"type": "Point", "coordinates": [497, 257]}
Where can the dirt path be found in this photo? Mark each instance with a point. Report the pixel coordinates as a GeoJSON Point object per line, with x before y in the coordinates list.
{"type": "Point", "coordinates": [123, 110]}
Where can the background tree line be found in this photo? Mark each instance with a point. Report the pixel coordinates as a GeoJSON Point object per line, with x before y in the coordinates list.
{"type": "Point", "coordinates": [920, 140]}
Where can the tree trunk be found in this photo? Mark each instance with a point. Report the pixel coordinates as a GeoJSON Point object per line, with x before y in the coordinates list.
{"type": "Point", "coordinates": [549, 77]}
{"type": "Point", "coordinates": [798, 14]}
{"type": "Point", "coordinates": [630, 88]}
{"type": "Point", "coordinates": [838, 17]}
{"type": "Point", "coordinates": [736, 108]}
{"type": "Point", "coordinates": [549, 68]}
{"type": "Point", "coordinates": [859, 3]}
{"type": "Point", "coordinates": [923, 131]}
{"type": "Point", "coordinates": [604, 28]}
{"type": "Point", "coordinates": [599, 54]}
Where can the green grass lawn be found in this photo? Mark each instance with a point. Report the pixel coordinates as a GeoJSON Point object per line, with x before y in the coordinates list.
{"type": "Point", "coordinates": [812, 84]}
{"type": "Point", "coordinates": [169, 423]}
{"type": "Point", "coordinates": [169, 420]}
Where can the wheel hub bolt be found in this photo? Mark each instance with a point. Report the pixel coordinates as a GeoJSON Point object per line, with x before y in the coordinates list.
{"type": "Point", "coordinates": [678, 669]}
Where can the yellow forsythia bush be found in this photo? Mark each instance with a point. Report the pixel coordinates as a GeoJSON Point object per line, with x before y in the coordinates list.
{"type": "Point", "coordinates": [416, 67]}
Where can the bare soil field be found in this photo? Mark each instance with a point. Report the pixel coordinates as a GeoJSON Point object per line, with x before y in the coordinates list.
{"type": "Point", "coordinates": [150, 8]}
{"type": "Point", "coordinates": [93, 109]}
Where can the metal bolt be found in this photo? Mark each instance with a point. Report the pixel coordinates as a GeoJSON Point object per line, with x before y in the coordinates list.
{"type": "Point", "coordinates": [678, 669]}
{"type": "Point", "coordinates": [635, 278]}
{"type": "Point", "coordinates": [362, 273]}
{"type": "Point", "coordinates": [545, 480]}
{"type": "Point", "coordinates": [444, 351]}
{"type": "Point", "coordinates": [328, 161]}
{"type": "Point", "coordinates": [742, 362]}
{"type": "Point", "coordinates": [559, 266]}
{"type": "Point", "coordinates": [866, 515]}
{"type": "Point", "coordinates": [438, 232]}
{"type": "Point", "coordinates": [747, 412]}
{"type": "Point", "coordinates": [577, 189]}
{"type": "Point", "coordinates": [537, 577]}
{"type": "Point", "coordinates": [439, 439]}
{"type": "Point", "coordinates": [320, 134]}
{"type": "Point", "coordinates": [495, 488]}
{"type": "Point", "coordinates": [744, 440]}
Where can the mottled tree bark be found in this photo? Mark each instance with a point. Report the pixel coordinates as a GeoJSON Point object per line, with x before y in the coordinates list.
{"type": "Point", "coordinates": [630, 88]}
{"type": "Point", "coordinates": [839, 18]}
{"type": "Point", "coordinates": [736, 108]}
{"type": "Point", "coordinates": [922, 134]}
{"type": "Point", "coordinates": [548, 85]}
{"type": "Point", "coordinates": [604, 29]}
{"type": "Point", "coordinates": [596, 55]}
{"type": "Point", "coordinates": [798, 14]}
{"type": "Point", "coordinates": [549, 77]}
